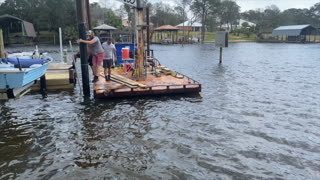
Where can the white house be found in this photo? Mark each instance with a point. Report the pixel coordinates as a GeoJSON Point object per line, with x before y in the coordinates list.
{"type": "Point", "coordinates": [190, 26]}
{"type": "Point", "coordinates": [238, 25]}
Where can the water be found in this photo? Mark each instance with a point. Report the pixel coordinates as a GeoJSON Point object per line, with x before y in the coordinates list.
{"type": "Point", "coordinates": [256, 118]}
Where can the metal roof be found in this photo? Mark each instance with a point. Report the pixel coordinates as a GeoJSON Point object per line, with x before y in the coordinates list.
{"type": "Point", "coordinates": [166, 28]}
{"type": "Point", "coordinates": [294, 30]}
{"type": "Point", "coordinates": [28, 27]}
{"type": "Point", "coordinates": [189, 23]}
{"type": "Point", "coordinates": [104, 27]}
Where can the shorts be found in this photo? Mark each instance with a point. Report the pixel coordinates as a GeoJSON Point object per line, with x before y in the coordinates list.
{"type": "Point", "coordinates": [107, 63]}
{"type": "Point", "coordinates": [97, 59]}
{"type": "Point", "coordinates": [90, 61]}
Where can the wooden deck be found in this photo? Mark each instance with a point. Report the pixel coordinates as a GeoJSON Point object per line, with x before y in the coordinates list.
{"type": "Point", "coordinates": [58, 77]}
{"type": "Point", "coordinates": [122, 85]}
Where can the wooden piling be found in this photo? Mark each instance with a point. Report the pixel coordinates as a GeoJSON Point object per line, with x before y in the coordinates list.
{"type": "Point", "coordinates": [140, 25]}
{"type": "Point", "coordinates": [148, 30]}
{"type": "Point", "coordinates": [81, 14]}
{"type": "Point", "coordinates": [2, 51]}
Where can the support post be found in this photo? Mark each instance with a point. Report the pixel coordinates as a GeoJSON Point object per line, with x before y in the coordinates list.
{"type": "Point", "coordinates": [220, 61]}
{"type": "Point", "coordinates": [148, 30]}
{"type": "Point", "coordinates": [81, 12]}
{"type": "Point", "coordinates": [88, 14]}
{"type": "Point", "coordinates": [140, 26]}
{"type": "Point", "coordinates": [43, 86]}
{"type": "Point", "coordinates": [2, 51]}
{"type": "Point", "coordinates": [61, 48]}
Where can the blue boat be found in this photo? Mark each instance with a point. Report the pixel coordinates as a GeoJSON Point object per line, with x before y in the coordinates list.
{"type": "Point", "coordinates": [12, 77]}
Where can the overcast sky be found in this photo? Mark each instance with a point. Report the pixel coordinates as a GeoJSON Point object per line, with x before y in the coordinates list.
{"type": "Point", "coordinates": [244, 4]}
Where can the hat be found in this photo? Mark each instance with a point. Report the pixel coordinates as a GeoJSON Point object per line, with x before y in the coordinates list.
{"type": "Point", "coordinates": [90, 33]}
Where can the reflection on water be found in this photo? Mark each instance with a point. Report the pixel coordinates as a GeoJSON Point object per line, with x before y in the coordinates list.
{"type": "Point", "coordinates": [256, 118]}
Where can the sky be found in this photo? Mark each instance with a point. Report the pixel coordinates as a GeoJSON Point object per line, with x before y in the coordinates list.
{"type": "Point", "coordinates": [244, 4]}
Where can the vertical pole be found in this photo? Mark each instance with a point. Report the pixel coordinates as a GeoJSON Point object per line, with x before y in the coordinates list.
{"type": "Point", "coordinates": [220, 55]}
{"type": "Point", "coordinates": [81, 11]}
{"type": "Point", "coordinates": [148, 31]}
{"type": "Point", "coordinates": [61, 49]}
{"type": "Point", "coordinates": [2, 51]}
{"type": "Point", "coordinates": [140, 25]}
{"type": "Point", "coordinates": [43, 85]}
{"type": "Point", "coordinates": [89, 14]}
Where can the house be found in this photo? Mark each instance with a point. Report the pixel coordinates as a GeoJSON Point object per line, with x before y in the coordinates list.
{"type": "Point", "coordinates": [190, 26]}
{"type": "Point", "coordinates": [237, 25]}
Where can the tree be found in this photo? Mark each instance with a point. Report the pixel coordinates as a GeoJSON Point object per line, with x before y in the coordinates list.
{"type": "Point", "coordinates": [163, 14]}
{"type": "Point", "coordinates": [203, 8]}
{"type": "Point", "coordinates": [314, 14]}
{"type": "Point", "coordinates": [229, 13]}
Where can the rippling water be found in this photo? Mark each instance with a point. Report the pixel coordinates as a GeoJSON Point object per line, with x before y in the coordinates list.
{"type": "Point", "coordinates": [256, 118]}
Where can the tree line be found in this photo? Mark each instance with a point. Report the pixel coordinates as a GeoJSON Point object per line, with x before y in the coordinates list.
{"type": "Point", "coordinates": [49, 15]}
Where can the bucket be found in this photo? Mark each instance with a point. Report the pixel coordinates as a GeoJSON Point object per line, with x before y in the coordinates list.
{"type": "Point", "coordinates": [125, 53]}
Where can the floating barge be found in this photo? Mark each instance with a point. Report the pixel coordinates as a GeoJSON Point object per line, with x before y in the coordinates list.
{"type": "Point", "coordinates": [159, 82]}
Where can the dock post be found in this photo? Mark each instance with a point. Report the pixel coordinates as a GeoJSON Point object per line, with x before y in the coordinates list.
{"type": "Point", "coordinates": [140, 25]}
{"type": "Point", "coordinates": [88, 14]}
{"type": "Point", "coordinates": [2, 51]}
{"type": "Point", "coordinates": [220, 61]}
{"type": "Point", "coordinates": [81, 12]}
{"type": "Point", "coordinates": [61, 48]}
{"type": "Point", "coordinates": [148, 30]}
{"type": "Point", "coordinates": [43, 85]}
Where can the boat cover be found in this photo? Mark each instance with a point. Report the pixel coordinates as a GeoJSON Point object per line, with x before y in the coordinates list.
{"type": "Point", "coordinates": [25, 63]}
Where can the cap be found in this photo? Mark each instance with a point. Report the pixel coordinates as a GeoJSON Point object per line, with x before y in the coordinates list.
{"type": "Point", "coordinates": [90, 33]}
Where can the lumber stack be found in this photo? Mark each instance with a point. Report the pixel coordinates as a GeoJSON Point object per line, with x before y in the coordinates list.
{"type": "Point", "coordinates": [126, 81]}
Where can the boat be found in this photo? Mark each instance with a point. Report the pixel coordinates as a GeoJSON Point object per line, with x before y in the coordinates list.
{"type": "Point", "coordinates": [14, 77]}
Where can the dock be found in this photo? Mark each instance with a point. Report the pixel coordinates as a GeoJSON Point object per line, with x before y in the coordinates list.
{"type": "Point", "coordinates": [58, 77]}
{"type": "Point", "coordinates": [159, 82]}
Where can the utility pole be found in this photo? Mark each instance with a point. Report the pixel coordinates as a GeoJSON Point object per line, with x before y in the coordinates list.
{"type": "Point", "coordinates": [81, 15]}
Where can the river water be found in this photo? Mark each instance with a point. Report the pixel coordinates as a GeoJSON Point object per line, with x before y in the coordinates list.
{"type": "Point", "coordinates": [257, 117]}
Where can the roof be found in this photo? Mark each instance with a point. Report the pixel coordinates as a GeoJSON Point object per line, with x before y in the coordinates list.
{"type": "Point", "coordinates": [166, 28]}
{"type": "Point", "coordinates": [104, 27]}
{"type": "Point", "coordinates": [189, 23]}
{"type": "Point", "coordinates": [294, 30]}
{"type": "Point", "coordinates": [6, 19]}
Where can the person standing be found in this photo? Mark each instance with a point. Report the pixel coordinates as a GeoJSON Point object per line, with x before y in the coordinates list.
{"type": "Point", "coordinates": [96, 52]}
{"type": "Point", "coordinates": [110, 54]}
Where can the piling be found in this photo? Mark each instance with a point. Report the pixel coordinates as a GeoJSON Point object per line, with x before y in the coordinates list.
{"type": "Point", "coordinates": [88, 14]}
{"type": "Point", "coordinates": [43, 86]}
{"type": "Point", "coordinates": [148, 30]}
{"type": "Point", "coordinates": [220, 61]}
{"type": "Point", "coordinates": [81, 12]}
{"type": "Point", "coordinates": [2, 51]}
{"type": "Point", "coordinates": [140, 41]}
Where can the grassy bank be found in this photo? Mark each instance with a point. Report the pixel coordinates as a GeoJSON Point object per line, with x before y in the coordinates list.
{"type": "Point", "coordinates": [210, 37]}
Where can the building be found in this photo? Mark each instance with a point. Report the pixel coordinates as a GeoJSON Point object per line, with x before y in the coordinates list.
{"type": "Point", "coordinates": [190, 26]}
{"type": "Point", "coordinates": [237, 25]}
{"type": "Point", "coordinates": [166, 34]}
{"type": "Point", "coordinates": [295, 33]}
{"type": "Point", "coordinates": [16, 30]}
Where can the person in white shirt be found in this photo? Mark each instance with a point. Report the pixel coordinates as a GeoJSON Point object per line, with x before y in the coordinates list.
{"type": "Point", "coordinates": [110, 54]}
